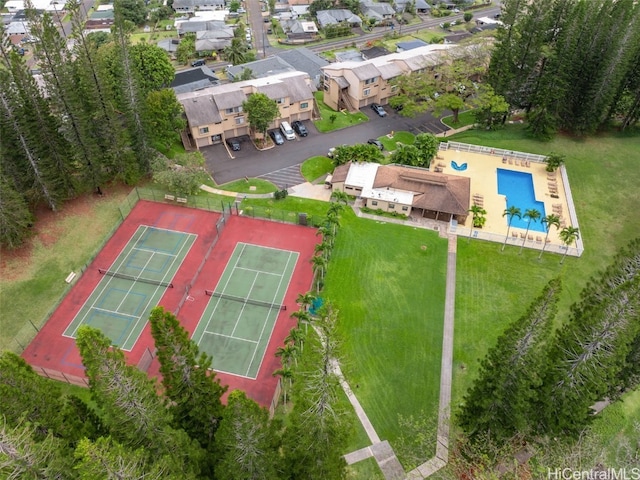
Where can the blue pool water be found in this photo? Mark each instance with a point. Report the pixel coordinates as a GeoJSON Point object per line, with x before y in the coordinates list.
{"type": "Point", "coordinates": [518, 188]}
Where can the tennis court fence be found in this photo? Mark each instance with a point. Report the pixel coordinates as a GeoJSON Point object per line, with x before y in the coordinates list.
{"type": "Point", "coordinates": [250, 301]}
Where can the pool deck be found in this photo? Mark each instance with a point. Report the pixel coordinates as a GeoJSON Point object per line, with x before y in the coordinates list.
{"type": "Point", "coordinates": [482, 170]}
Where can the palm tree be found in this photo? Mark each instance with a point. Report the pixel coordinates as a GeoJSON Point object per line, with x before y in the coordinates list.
{"type": "Point", "coordinates": [549, 220]}
{"type": "Point", "coordinates": [327, 234]}
{"type": "Point", "coordinates": [478, 218]}
{"type": "Point", "coordinates": [235, 53]}
{"type": "Point", "coordinates": [335, 209]}
{"type": "Point", "coordinates": [568, 235]}
{"type": "Point", "coordinates": [305, 300]}
{"type": "Point", "coordinates": [323, 247]}
{"type": "Point", "coordinates": [333, 221]}
{"type": "Point", "coordinates": [295, 337]}
{"type": "Point", "coordinates": [285, 374]}
{"type": "Point", "coordinates": [533, 215]}
{"type": "Point", "coordinates": [319, 263]}
{"type": "Point", "coordinates": [302, 316]}
{"type": "Point", "coordinates": [286, 353]}
{"type": "Point", "coordinates": [510, 212]}
{"type": "Point", "coordinates": [340, 196]}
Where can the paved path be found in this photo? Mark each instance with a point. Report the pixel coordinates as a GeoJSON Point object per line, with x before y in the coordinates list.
{"type": "Point", "coordinates": [285, 177]}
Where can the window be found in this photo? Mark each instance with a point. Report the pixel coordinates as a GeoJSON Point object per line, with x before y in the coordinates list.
{"type": "Point", "coordinates": [230, 111]}
{"type": "Point", "coordinates": [326, 87]}
{"type": "Point", "coordinates": [374, 202]}
{"type": "Point", "coordinates": [280, 101]}
{"type": "Point", "coordinates": [405, 208]}
{"type": "Point", "coordinates": [304, 105]}
{"type": "Point", "coordinates": [369, 81]}
{"type": "Point", "coordinates": [394, 88]}
{"type": "Point", "coordinates": [203, 130]}
{"type": "Point", "coordinates": [366, 92]}
{"type": "Point", "coordinates": [392, 205]}
{"type": "Point", "coordinates": [239, 120]}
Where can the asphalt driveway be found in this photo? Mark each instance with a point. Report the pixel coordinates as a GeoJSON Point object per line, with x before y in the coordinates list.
{"type": "Point", "coordinates": [249, 162]}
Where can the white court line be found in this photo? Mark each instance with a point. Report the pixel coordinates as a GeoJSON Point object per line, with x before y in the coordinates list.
{"type": "Point", "coordinates": [133, 283]}
{"type": "Point", "coordinates": [231, 337]}
{"type": "Point", "coordinates": [154, 251]}
{"type": "Point", "coordinates": [264, 248]}
{"type": "Point", "coordinates": [114, 311]}
{"type": "Point", "coordinates": [259, 271]}
{"type": "Point", "coordinates": [104, 288]}
{"type": "Point", "coordinates": [215, 307]}
{"type": "Point", "coordinates": [187, 236]}
{"type": "Point", "coordinates": [264, 325]}
{"type": "Point", "coordinates": [244, 305]}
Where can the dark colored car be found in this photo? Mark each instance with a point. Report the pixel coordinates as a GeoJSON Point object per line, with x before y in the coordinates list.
{"type": "Point", "coordinates": [198, 63]}
{"type": "Point", "coordinates": [234, 144]}
{"type": "Point", "coordinates": [277, 137]}
{"type": "Point", "coordinates": [300, 129]}
{"type": "Point", "coordinates": [377, 143]}
{"type": "Point", "coordinates": [378, 109]}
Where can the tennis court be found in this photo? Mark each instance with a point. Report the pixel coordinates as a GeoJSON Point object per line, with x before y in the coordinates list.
{"type": "Point", "coordinates": [120, 304]}
{"type": "Point", "coordinates": [237, 323]}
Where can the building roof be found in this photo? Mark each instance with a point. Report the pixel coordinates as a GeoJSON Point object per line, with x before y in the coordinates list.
{"type": "Point", "coordinates": [349, 56]}
{"type": "Point", "coordinates": [411, 45]}
{"type": "Point", "coordinates": [433, 191]}
{"type": "Point", "coordinates": [361, 175]}
{"type": "Point", "coordinates": [193, 79]}
{"type": "Point", "coordinates": [195, 3]}
{"type": "Point", "coordinates": [201, 110]}
{"type": "Point", "coordinates": [261, 68]}
{"type": "Point", "coordinates": [200, 25]}
{"type": "Point", "coordinates": [340, 173]}
{"type": "Point", "coordinates": [365, 71]}
{"type": "Point", "coordinates": [381, 9]}
{"type": "Point", "coordinates": [331, 17]}
{"type": "Point", "coordinates": [406, 61]}
{"type": "Point", "coordinates": [304, 60]}
{"type": "Point", "coordinates": [203, 107]}
{"type": "Point", "coordinates": [374, 52]}
{"type": "Point", "coordinates": [212, 44]}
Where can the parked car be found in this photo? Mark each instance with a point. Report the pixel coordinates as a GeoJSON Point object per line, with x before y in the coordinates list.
{"type": "Point", "coordinates": [277, 137]}
{"type": "Point", "coordinates": [241, 10]}
{"type": "Point", "coordinates": [198, 63]}
{"type": "Point", "coordinates": [234, 144]}
{"type": "Point", "coordinates": [287, 131]}
{"type": "Point", "coordinates": [378, 109]}
{"type": "Point", "coordinates": [377, 143]}
{"type": "Point", "coordinates": [299, 127]}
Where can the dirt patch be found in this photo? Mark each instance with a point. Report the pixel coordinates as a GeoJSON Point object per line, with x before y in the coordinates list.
{"type": "Point", "coordinates": [47, 230]}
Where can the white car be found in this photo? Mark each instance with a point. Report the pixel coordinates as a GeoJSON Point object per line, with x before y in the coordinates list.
{"type": "Point", "coordinates": [287, 131]}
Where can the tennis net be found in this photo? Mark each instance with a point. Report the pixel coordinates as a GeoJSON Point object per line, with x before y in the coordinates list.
{"type": "Point", "coordinates": [226, 296]}
{"type": "Point", "coordinates": [160, 283]}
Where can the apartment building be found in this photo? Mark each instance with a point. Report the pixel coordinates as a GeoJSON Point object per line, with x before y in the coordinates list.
{"type": "Point", "coordinates": [215, 113]}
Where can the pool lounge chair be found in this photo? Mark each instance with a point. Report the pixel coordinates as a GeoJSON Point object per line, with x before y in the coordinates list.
{"type": "Point", "coordinates": [514, 234]}
{"type": "Point", "coordinates": [538, 239]}
{"type": "Point", "coordinates": [530, 238]}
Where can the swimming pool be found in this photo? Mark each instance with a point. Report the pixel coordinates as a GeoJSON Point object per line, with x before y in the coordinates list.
{"type": "Point", "coordinates": [518, 188]}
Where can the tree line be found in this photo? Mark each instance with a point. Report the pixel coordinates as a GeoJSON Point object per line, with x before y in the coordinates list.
{"type": "Point", "coordinates": [571, 65]}
{"type": "Point", "coordinates": [536, 384]}
{"type": "Point", "coordinates": [136, 427]}
{"type": "Point", "coordinates": [99, 113]}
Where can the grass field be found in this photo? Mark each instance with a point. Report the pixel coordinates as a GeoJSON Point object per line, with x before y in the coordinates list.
{"type": "Point", "coordinates": [32, 279]}
{"type": "Point", "coordinates": [342, 120]}
{"type": "Point", "coordinates": [315, 167]}
{"type": "Point", "coordinates": [390, 144]}
{"type": "Point", "coordinates": [244, 186]}
{"type": "Point", "coordinates": [391, 305]}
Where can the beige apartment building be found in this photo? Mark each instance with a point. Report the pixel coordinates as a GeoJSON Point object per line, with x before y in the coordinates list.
{"type": "Point", "coordinates": [215, 113]}
{"type": "Point", "coordinates": [353, 85]}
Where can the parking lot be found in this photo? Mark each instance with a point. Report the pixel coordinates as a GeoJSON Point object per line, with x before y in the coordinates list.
{"type": "Point", "coordinates": [249, 162]}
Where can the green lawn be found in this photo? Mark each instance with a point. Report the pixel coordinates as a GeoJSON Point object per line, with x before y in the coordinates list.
{"type": "Point", "coordinates": [464, 119]}
{"type": "Point", "coordinates": [390, 294]}
{"type": "Point", "coordinates": [31, 285]}
{"type": "Point", "coordinates": [244, 186]}
{"type": "Point", "coordinates": [399, 137]}
{"type": "Point", "coordinates": [286, 209]}
{"type": "Point", "coordinates": [493, 288]}
{"type": "Point", "coordinates": [342, 120]}
{"type": "Point", "coordinates": [316, 167]}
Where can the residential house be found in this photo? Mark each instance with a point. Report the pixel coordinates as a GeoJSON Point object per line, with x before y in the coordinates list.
{"type": "Point", "coordinates": [337, 16]}
{"type": "Point", "coordinates": [299, 30]}
{"type": "Point", "coordinates": [421, 6]}
{"type": "Point", "coordinates": [215, 113]}
{"type": "Point", "coordinates": [405, 46]}
{"type": "Point", "coordinates": [297, 59]}
{"type": "Point", "coordinates": [406, 190]}
{"type": "Point", "coordinates": [100, 20]}
{"type": "Point", "coordinates": [382, 13]}
{"type": "Point", "coordinates": [191, 6]}
{"type": "Point", "coordinates": [353, 85]}
{"type": "Point", "coordinates": [193, 79]}
{"type": "Point", "coordinates": [196, 25]}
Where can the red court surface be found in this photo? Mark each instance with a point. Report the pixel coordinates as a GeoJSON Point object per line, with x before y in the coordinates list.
{"type": "Point", "coordinates": [58, 355]}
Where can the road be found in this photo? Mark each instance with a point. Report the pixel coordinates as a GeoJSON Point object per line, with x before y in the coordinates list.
{"type": "Point", "coordinates": [250, 162]}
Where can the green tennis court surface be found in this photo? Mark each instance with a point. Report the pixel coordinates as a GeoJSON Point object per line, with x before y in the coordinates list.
{"type": "Point", "coordinates": [236, 326]}
{"type": "Point", "coordinates": [120, 304]}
